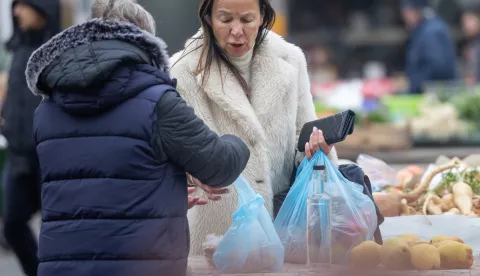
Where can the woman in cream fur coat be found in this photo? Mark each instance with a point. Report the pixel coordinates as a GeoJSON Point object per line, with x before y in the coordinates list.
{"type": "Point", "coordinates": [255, 87]}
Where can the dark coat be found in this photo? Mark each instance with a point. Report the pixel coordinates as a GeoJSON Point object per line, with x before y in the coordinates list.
{"type": "Point", "coordinates": [115, 140]}
{"type": "Point", "coordinates": [430, 54]}
{"type": "Point", "coordinates": [472, 59]}
{"type": "Point", "coordinates": [20, 104]}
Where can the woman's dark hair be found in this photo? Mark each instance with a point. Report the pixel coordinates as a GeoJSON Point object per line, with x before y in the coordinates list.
{"type": "Point", "coordinates": [211, 50]}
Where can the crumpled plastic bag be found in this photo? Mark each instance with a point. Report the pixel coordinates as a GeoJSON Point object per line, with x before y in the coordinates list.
{"type": "Point", "coordinates": [251, 244]}
{"type": "Point", "coordinates": [210, 246]}
{"type": "Point", "coordinates": [379, 173]}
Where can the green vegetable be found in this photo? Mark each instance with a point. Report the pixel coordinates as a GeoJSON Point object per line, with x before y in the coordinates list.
{"type": "Point", "coordinates": [378, 117]}
{"type": "Point", "coordinates": [449, 178]}
{"type": "Point", "coordinates": [468, 107]}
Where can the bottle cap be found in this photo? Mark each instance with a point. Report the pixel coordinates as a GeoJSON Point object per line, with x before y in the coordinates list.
{"type": "Point", "coordinates": [319, 168]}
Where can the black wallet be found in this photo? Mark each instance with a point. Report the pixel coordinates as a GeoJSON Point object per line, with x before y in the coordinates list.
{"type": "Point", "coordinates": [335, 128]}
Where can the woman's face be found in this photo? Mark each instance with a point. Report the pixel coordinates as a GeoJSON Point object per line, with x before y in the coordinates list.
{"type": "Point", "coordinates": [470, 24]}
{"type": "Point", "coordinates": [235, 25]}
{"type": "Point", "coordinates": [27, 17]}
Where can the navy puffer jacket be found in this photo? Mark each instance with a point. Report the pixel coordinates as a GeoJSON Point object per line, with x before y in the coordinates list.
{"type": "Point", "coordinates": [115, 140]}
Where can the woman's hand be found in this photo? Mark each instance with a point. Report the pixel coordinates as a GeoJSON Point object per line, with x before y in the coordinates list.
{"type": "Point", "coordinates": [212, 193]}
{"type": "Point", "coordinates": [317, 142]}
{"type": "Point", "coordinates": [194, 200]}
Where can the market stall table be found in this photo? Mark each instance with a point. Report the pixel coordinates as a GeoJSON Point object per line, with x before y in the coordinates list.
{"type": "Point", "coordinates": [200, 267]}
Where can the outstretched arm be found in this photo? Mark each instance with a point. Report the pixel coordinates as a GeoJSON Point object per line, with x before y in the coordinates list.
{"type": "Point", "coordinates": [189, 143]}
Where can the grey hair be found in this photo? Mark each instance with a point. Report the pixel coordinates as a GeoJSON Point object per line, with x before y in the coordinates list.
{"type": "Point", "coordinates": [124, 10]}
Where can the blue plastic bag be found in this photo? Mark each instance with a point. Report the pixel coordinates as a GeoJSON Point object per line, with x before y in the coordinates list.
{"type": "Point", "coordinates": [251, 244]}
{"type": "Point", "coordinates": [354, 218]}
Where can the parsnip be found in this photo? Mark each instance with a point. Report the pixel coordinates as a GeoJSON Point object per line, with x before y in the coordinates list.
{"type": "Point", "coordinates": [454, 211]}
{"type": "Point", "coordinates": [435, 206]}
{"type": "Point", "coordinates": [447, 202]}
{"type": "Point", "coordinates": [390, 204]}
{"type": "Point", "coordinates": [406, 210]}
{"type": "Point", "coordinates": [472, 214]}
{"type": "Point", "coordinates": [463, 197]}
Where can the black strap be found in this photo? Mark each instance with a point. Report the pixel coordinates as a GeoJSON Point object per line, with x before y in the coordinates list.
{"type": "Point", "coordinates": [294, 170]}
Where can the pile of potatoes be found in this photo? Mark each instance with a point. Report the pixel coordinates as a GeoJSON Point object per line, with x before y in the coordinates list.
{"type": "Point", "coordinates": [408, 252]}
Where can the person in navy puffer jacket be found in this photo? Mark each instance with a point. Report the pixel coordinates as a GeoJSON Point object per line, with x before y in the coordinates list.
{"type": "Point", "coordinates": [115, 141]}
{"type": "Point", "coordinates": [431, 54]}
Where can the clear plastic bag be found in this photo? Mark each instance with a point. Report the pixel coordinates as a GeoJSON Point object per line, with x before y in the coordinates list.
{"type": "Point", "coordinates": [380, 174]}
{"type": "Point", "coordinates": [251, 244]}
{"type": "Point", "coordinates": [354, 218]}
{"type": "Point", "coordinates": [210, 246]}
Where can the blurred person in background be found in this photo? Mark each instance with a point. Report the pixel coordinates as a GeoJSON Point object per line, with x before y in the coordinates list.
{"type": "Point", "coordinates": [3, 92]}
{"type": "Point", "coordinates": [245, 80]}
{"type": "Point", "coordinates": [431, 49]}
{"type": "Point", "coordinates": [115, 141]}
{"type": "Point", "coordinates": [320, 65]}
{"type": "Point", "coordinates": [471, 29]}
{"type": "Point", "coordinates": [34, 22]}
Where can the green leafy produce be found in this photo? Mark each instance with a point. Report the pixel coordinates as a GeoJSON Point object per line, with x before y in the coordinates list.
{"type": "Point", "coordinates": [378, 116]}
{"type": "Point", "coordinates": [403, 106]}
{"type": "Point", "coordinates": [450, 177]}
{"type": "Point", "coordinates": [468, 106]}
{"type": "Point", "coordinates": [321, 107]}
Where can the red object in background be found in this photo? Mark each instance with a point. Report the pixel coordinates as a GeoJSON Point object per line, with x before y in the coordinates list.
{"type": "Point", "coordinates": [322, 89]}
{"type": "Point", "coordinates": [378, 88]}
{"type": "Point", "coordinates": [371, 88]}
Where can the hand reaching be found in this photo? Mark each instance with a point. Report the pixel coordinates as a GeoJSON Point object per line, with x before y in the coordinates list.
{"type": "Point", "coordinates": [213, 194]}
{"type": "Point", "coordinates": [194, 200]}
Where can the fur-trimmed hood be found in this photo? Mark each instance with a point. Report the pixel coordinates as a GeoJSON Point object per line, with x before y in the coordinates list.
{"type": "Point", "coordinates": [86, 34]}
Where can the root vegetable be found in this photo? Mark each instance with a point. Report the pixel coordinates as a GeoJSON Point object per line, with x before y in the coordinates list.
{"type": "Point", "coordinates": [463, 197]}
{"type": "Point", "coordinates": [454, 211]}
{"type": "Point", "coordinates": [390, 204]}
{"type": "Point", "coordinates": [422, 188]}
{"type": "Point", "coordinates": [440, 238]}
{"type": "Point", "coordinates": [365, 255]}
{"type": "Point", "coordinates": [432, 205]}
{"type": "Point", "coordinates": [476, 205]}
{"type": "Point", "coordinates": [425, 257]}
{"type": "Point", "coordinates": [448, 202]}
{"type": "Point", "coordinates": [472, 214]}
{"type": "Point", "coordinates": [406, 210]}
{"type": "Point", "coordinates": [476, 200]}
{"type": "Point", "coordinates": [456, 256]}
{"type": "Point", "coordinates": [395, 254]}
{"type": "Point", "coordinates": [442, 243]}
{"type": "Point", "coordinates": [411, 237]}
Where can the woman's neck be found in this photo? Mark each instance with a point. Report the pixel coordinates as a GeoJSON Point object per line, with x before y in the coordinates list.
{"type": "Point", "coordinates": [243, 64]}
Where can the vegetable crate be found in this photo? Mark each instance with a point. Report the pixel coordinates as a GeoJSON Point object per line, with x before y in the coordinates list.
{"type": "Point", "coordinates": [377, 137]}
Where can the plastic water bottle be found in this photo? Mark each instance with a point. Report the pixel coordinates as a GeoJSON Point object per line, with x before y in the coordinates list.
{"type": "Point", "coordinates": [319, 222]}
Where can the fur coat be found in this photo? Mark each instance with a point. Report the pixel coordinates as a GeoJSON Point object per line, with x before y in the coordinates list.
{"type": "Point", "coordinates": [269, 122]}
